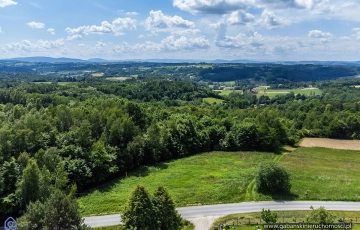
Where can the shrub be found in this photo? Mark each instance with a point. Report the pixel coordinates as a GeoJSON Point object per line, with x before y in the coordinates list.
{"type": "Point", "coordinates": [272, 178]}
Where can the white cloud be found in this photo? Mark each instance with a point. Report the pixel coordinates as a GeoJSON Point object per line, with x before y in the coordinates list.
{"type": "Point", "coordinates": [4, 3]}
{"type": "Point", "coordinates": [251, 40]}
{"type": "Point", "coordinates": [28, 46]}
{"type": "Point", "coordinates": [272, 21]}
{"type": "Point", "coordinates": [183, 43]}
{"type": "Point", "coordinates": [36, 25]}
{"type": "Point", "coordinates": [51, 31]}
{"type": "Point", "coordinates": [357, 30]}
{"type": "Point", "coordinates": [132, 13]}
{"type": "Point", "coordinates": [319, 34]}
{"type": "Point", "coordinates": [100, 44]}
{"type": "Point", "coordinates": [157, 21]}
{"type": "Point", "coordinates": [229, 6]}
{"type": "Point", "coordinates": [141, 36]}
{"type": "Point", "coordinates": [187, 32]}
{"type": "Point", "coordinates": [116, 27]}
{"type": "Point", "coordinates": [300, 4]}
{"type": "Point", "coordinates": [168, 44]}
{"type": "Point", "coordinates": [213, 6]}
{"type": "Point", "coordinates": [0, 30]}
{"type": "Point", "coordinates": [239, 17]}
{"type": "Point", "coordinates": [74, 37]}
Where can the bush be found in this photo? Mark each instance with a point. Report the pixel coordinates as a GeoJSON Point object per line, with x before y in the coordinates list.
{"type": "Point", "coordinates": [272, 178]}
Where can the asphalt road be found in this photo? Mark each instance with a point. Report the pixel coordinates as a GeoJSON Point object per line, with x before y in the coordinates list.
{"type": "Point", "coordinates": [203, 216]}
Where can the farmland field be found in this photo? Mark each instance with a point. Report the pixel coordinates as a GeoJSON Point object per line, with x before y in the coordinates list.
{"type": "Point", "coordinates": [324, 174]}
{"type": "Point", "coordinates": [331, 143]}
{"type": "Point", "coordinates": [212, 100]}
{"type": "Point", "coordinates": [98, 74]}
{"type": "Point", "coordinates": [273, 92]}
{"type": "Point", "coordinates": [59, 83]}
{"type": "Point", "coordinates": [117, 78]}
{"type": "Point", "coordinates": [225, 92]}
{"type": "Point", "coordinates": [208, 178]}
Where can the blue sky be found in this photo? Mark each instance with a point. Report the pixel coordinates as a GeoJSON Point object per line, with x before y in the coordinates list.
{"type": "Point", "coordinates": [187, 29]}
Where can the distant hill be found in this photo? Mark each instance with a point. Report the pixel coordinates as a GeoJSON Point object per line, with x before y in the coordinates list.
{"type": "Point", "coordinates": [217, 61]}
{"type": "Point", "coordinates": [46, 59]}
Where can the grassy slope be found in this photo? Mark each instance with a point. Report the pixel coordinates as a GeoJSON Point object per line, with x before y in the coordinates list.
{"type": "Point", "coordinates": [327, 174]}
{"type": "Point", "coordinates": [217, 177]}
{"type": "Point", "coordinates": [221, 177]}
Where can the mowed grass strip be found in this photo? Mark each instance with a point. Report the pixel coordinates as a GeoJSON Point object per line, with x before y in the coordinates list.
{"type": "Point", "coordinates": [208, 178]}
{"type": "Point", "coordinates": [324, 174]}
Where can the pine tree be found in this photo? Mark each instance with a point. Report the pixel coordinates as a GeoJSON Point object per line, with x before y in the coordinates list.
{"type": "Point", "coordinates": [139, 213]}
{"type": "Point", "coordinates": [167, 217]}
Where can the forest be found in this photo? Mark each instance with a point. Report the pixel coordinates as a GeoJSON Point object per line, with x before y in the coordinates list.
{"type": "Point", "coordinates": [91, 130]}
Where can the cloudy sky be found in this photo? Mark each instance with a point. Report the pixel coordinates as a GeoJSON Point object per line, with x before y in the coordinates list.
{"type": "Point", "coordinates": [188, 29]}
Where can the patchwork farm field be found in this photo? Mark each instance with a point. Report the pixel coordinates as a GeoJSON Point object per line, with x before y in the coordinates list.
{"type": "Point", "coordinates": [208, 178]}
{"type": "Point", "coordinates": [273, 92]}
{"type": "Point", "coordinates": [227, 92]}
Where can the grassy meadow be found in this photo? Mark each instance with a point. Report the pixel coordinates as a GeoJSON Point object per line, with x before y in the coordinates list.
{"type": "Point", "coordinates": [273, 92]}
{"type": "Point", "coordinates": [208, 178]}
{"type": "Point", "coordinates": [226, 92]}
{"type": "Point", "coordinates": [117, 78]}
{"type": "Point", "coordinates": [325, 174]}
{"type": "Point", "coordinates": [228, 177]}
{"type": "Point", "coordinates": [212, 100]}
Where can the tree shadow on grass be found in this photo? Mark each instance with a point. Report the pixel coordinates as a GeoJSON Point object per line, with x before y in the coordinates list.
{"type": "Point", "coordinates": [144, 171]}
{"type": "Point", "coordinates": [115, 180]}
{"type": "Point", "coordinates": [278, 197]}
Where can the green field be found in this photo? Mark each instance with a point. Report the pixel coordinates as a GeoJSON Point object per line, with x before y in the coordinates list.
{"type": "Point", "coordinates": [227, 83]}
{"type": "Point", "coordinates": [98, 74]}
{"type": "Point", "coordinates": [208, 178]}
{"type": "Point", "coordinates": [283, 216]}
{"type": "Point", "coordinates": [227, 92]}
{"type": "Point", "coordinates": [327, 174]}
{"type": "Point", "coordinates": [227, 177]}
{"type": "Point", "coordinates": [273, 92]}
{"type": "Point", "coordinates": [212, 100]}
{"type": "Point", "coordinates": [117, 78]}
{"type": "Point", "coordinates": [43, 82]}
{"type": "Point", "coordinates": [59, 83]}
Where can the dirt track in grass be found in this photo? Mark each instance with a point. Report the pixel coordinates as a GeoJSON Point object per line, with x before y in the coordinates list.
{"type": "Point", "coordinates": [331, 143]}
